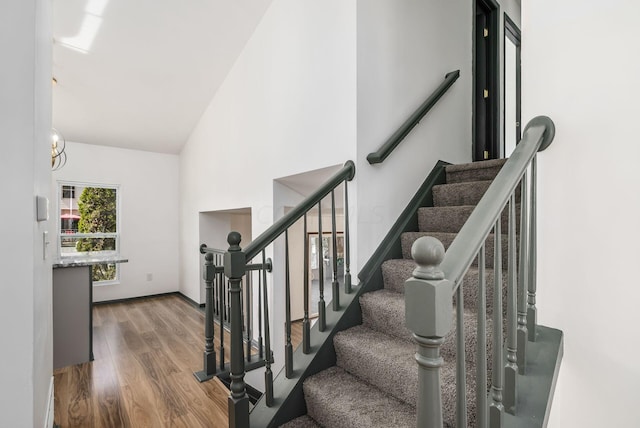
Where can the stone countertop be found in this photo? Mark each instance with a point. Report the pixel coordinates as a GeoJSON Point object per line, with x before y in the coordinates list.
{"type": "Point", "coordinates": [86, 261]}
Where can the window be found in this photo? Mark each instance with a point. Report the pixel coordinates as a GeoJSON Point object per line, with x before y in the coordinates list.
{"type": "Point", "coordinates": [68, 192]}
{"type": "Point", "coordinates": [89, 225]}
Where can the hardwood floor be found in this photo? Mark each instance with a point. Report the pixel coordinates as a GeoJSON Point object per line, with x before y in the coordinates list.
{"type": "Point", "coordinates": [145, 354]}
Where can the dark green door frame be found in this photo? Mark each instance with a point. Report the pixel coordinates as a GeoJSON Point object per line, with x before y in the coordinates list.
{"type": "Point", "coordinates": [486, 92]}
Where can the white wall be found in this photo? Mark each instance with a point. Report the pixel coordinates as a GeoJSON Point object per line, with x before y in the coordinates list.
{"type": "Point", "coordinates": [511, 8]}
{"type": "Point", "coordinates": [149, 213]}
{"type": "Point", "coordinates": [580, 68]}
{"type": "Point", "coordinates": [214, 227]}
{"type": "Point", "coordinates": [25, 123]}
{"type": "Point", "coordinates": [287, 106]}
{"type": "Point", "coordinates": [405, 48]}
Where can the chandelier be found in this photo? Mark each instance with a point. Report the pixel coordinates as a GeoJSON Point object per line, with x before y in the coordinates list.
{"type": "Point", "coordinates": [58, 144]}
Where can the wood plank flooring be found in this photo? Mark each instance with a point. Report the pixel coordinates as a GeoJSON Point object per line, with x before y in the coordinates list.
{"type": "Point", "coordinates": [145, 353]}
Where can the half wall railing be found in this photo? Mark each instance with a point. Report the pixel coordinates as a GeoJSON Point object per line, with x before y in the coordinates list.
{"type": "Point", "coordinates": [437, 282]}
{"type": "Point", "coordinates": [242, 273]}
{"type": "Point", "coordinates": [218, 315]}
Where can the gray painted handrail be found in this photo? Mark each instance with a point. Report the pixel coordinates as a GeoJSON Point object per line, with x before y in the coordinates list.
{"type": "Point", "coordinates": [385, 150]}
{"type": "Point", "coordinates": [206, 249]}
{"type": "Point", "coordinates": [347, 172]}
{"type": "Point", "coordinates": [537, 136]}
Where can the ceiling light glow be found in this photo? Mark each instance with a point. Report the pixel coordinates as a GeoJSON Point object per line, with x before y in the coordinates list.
{"type": "Point", "coordinates": [96, 7]}
{"type": "Point", "coordinates": [84, 39]}
{"type": "Point", "coordinates": [91, 23]}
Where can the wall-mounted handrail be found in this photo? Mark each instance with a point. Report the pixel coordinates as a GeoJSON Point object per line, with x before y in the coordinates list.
{"type": "Point", "coordinates": [385, 150]}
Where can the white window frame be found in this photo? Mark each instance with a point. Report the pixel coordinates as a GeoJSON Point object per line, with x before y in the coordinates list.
{"type": "Point", "coordinates": [88, 254]}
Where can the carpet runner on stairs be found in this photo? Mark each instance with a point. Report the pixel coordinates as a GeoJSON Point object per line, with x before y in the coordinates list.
{"type": "Point", "coordinates": [375, 380]}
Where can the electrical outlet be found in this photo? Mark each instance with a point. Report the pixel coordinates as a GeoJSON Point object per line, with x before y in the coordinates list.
{"type": "Point", "coordinates": [149, 277]}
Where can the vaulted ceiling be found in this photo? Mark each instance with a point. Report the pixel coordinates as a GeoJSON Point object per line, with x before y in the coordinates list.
{"type": "Point", "coordinates": [139, 74]}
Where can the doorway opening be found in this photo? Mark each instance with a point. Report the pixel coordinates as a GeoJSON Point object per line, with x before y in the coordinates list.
{"type": "Point", "coordinates": [288, 192]}
{"type": "Point", "coordinates": [486, 88]}
{"type": "Point", "coordinates": [214, 226]}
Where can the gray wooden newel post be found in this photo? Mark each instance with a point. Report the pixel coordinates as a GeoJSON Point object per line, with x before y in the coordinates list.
{"type": "Point", "coordinates": [209, 367]}
{"type": "Point", "coordinates": [429, 308]}
{"type": "Point", "coordinates": [234, 268]}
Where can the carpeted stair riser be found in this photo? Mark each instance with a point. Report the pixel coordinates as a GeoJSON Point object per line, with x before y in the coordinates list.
{"type": "Point", "coordinates": [384, 310]}
{"type": "Point", "coordinates": [337, 399]}
{"type": "Point", "coordinates": [375, 314]}
{"type": "Point", "coordinates": [384, 361]}
{"type": "Point", "coordinates": [396, 272]}
{"type": "Point", "coordinates": [457, 194]}
{"type": "Point", "coordinates": [408, 238]}
{"type": "Point", "coordinates": [451, 219]}
{"type": "Point", "coordinates": [388, 363]}
{"type": "Point", "coordinates": [477, 171]}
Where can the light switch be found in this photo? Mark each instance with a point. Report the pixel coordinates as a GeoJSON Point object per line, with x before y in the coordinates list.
{"type": "Point", "coordinates": [42, 208]}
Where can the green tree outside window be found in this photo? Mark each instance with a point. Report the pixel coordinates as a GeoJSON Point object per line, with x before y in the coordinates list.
{"type": "Point", "coordinates": [98, 209]}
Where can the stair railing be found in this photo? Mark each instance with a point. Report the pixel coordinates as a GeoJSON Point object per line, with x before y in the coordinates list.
{"type": "Point", "coordinates": [392, 142]}
{"type": "Point", "coordinates": [218, 314]}
{"type": "Point", "coordinates": [236, 266]}
{"type": "Point", "coordinates": [214, 309]}
{"type": "Point", "coordinates": [438, 280]}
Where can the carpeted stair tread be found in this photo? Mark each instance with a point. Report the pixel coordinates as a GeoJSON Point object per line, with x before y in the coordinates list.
{"type": "Point", "coordinates": [408, 238]}
{"type": "Point", "coordinates": [384, 361]}
{"type": "Point", "coordinates": [391, 367]}
{"type": "Point", "coordinates": [396, 271]}
{"type": "Point", "coordinates": [467, 193]}
{"type": "Point", "coordinates": [384, 311]}
{"type": "Point", "coordinates": [451, 219]}
{"type": "Point", "coordinates": [474, 171]}
{"type": "Point", "coordinates": [338, 399]}
{"type": "Point", "coordinates": [301, 422]}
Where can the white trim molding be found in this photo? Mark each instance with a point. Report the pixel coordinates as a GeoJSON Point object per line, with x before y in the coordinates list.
{"type": "Point", "coordinates": [48, 421]}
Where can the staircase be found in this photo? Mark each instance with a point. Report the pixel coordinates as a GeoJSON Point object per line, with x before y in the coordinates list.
{"type": "Point", "coordinates": [426, 338]}
{"type": "Point", "coordinates": [375, 380]}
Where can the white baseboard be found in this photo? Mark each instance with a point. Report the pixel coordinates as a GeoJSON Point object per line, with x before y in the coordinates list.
{"type": "Point", "coordinates": [48, 422]}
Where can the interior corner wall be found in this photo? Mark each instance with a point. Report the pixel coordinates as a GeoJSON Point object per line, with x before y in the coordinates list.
{"type": "Point", "coordinates": [288, 105]}
{"type": "Point", "coordinates": [149, 198]}
{"type": "Point", "coordinates": [511, 8]}
{"type": "Point", "coordinates": [405, 48]}
{"type": "Point", "coordinates": [588, 201]}
{"type": "Point", "coordinates": [25, 120]}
